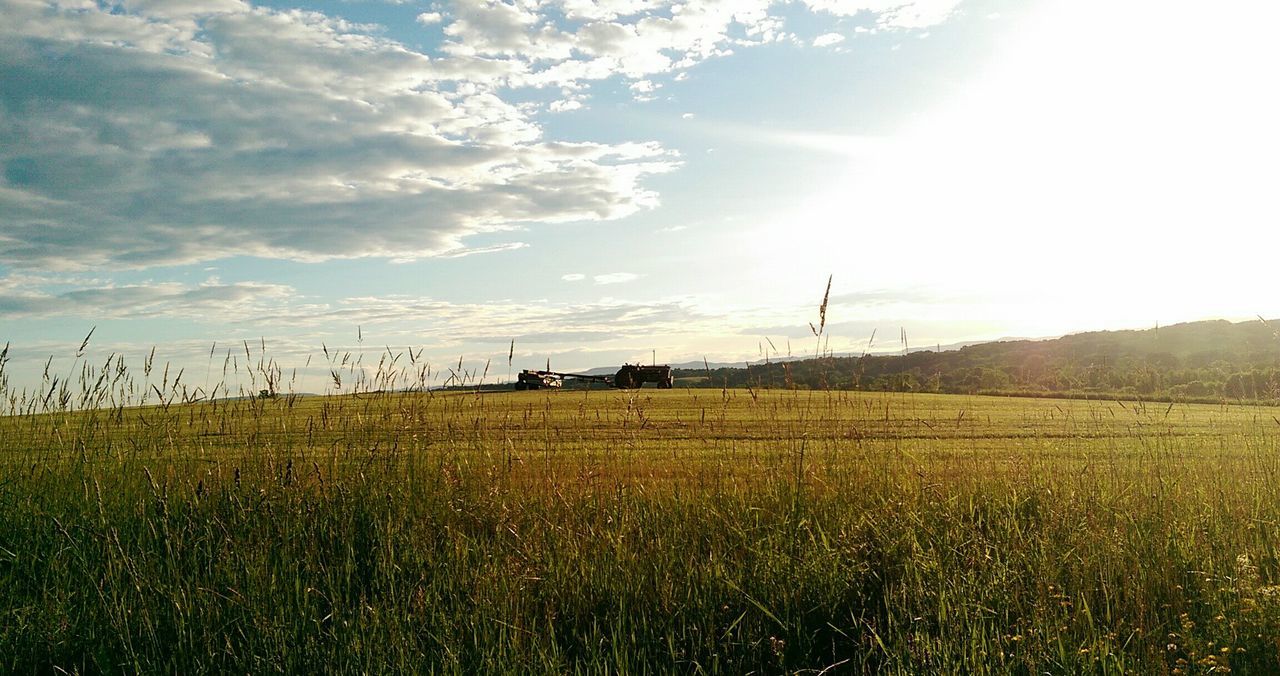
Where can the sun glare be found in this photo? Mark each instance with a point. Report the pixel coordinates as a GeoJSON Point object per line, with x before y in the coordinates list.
{"type": "Point", "coordinates": [1075, 182]}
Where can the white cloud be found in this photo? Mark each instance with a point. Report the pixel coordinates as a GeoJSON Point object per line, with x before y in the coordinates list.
{"type": "Point", "coordinates": [573, 277]}
{"type": "Point", "coordinates": [564, 105]}
{"type": "Point", "coordinates": [891, 13]}
{"type": "Point", "coordinates": [608, 10]}
{"type": "Point", "coordinates": [211, 300]}
{"type": "Point", "coordinates": [574, 335]}
{"type": "Point", "coordinates": [430, 18]}
{"type": "Point", "coordinates": [471, 251]}
{"type": "Point", "coordinates": [637, 39]}
{"type": "Point", "coordinates": [616, 278]}
{"type": "Point", "coordinates": [828, 39]}
{"type": "Point", "coordinates": [174, 132]}
{"type": "Point", "coordinates": [498, 28]}
{"type": "Point", "coordinates": [643, 90]}
{"type": "Point", "coordinates": [139, 139]}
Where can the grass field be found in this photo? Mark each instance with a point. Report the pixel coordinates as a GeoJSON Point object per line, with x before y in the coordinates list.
{"type": "Point", "coordinates": [698, 531]}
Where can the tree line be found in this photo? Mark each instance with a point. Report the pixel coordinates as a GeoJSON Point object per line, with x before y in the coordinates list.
{"type": "Point", "coordinates": [1197, 361]}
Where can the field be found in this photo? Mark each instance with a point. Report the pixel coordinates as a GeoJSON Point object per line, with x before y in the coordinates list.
{"type": "Point", "coordinates": [698, 531]}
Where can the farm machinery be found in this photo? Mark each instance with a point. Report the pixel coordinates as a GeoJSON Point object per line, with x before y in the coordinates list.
{"type": "Point", "coordinates": [537, 380]}
{"type": "Point", "coordinates": [629, 377]}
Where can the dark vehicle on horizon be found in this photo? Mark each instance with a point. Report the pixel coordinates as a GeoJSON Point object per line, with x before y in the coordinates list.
{"type": "Point", "coordinates": [632, 376]}
{"type": "Point", "coordinates": [629, 377]}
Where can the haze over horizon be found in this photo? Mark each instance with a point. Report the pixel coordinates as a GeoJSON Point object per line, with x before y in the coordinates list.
{"type": "Point", "coordinates": [600, 179]}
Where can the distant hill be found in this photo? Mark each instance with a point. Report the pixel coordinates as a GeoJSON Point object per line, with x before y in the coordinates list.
{"type": "Point", "coordinates": [1195, 361]}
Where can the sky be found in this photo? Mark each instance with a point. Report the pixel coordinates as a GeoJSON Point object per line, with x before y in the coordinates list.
{"type": "Point", "coordinates": [603, 181]}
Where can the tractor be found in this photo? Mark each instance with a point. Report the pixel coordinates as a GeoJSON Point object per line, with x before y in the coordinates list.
{"type": "Point", "coordinates": [632, 376]}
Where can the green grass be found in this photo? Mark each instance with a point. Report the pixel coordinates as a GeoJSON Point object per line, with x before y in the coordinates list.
{"type": "Point", "coordinates": [650, 531]}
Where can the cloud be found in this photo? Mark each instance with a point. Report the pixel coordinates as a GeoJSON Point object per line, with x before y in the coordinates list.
{"type": "Point", "coordinates": [497, 28]}
{"type": "Point", "coordinates": [471, 251]}
{"type": "Point", "coordinates": [548, 337]}
{"type": "Point", "coordinates": [616, 278]}
{"type": "Point", "coordinates": [147, 133]}
{"type": "Point", "coordinates": [640, 39]}
{"type": "Point", "coordinates": [828, 39]}
{"type": "Point", "coordinates": [183, 133]}
{"type": "Point", "coordinates": [573, 277]}
{"type": "Point", "coordinates": [564, 105]}
{"type": "Point", "coordinates": [447, 326]}
{"type": "Point", "coordinates": [576, 336]}
{"type": "Point", "coordinates": [891, 13]}
{"type": "Point", "coordinates": [213, 301]}
{"type": "Point", "coordinates": [643, 90]}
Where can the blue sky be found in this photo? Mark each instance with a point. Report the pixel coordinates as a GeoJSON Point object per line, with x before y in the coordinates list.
{"type": "Point", "coordinates": [600, 179]}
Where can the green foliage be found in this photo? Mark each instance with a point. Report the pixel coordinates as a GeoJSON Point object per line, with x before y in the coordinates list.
{"type": "Point", "coordinates": [1199, 361]}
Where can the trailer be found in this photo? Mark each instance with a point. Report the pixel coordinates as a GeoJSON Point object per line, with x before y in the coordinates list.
{"type": "Point", "coordinates": [629, 377]}
{"type": "Point", "coordinates": [537, 380]}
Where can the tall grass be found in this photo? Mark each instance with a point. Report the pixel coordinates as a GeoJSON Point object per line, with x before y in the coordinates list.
{"type": "Point", "coordinates": [709, 531]}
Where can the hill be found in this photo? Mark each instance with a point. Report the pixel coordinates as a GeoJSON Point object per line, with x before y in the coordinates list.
{"type": "Point", "coordinates": [1203, 361]}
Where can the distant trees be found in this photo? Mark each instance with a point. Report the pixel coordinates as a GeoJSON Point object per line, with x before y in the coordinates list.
{"type": "Point", "coordinates": [1203, 360]}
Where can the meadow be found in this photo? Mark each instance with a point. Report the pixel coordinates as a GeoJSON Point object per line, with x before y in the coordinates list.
{"type": "Point", "coordinates": [694, 531]}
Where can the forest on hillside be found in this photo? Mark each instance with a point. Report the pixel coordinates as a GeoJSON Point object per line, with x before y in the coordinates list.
{"type": "Point", "coordinates": [1197, 361]}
